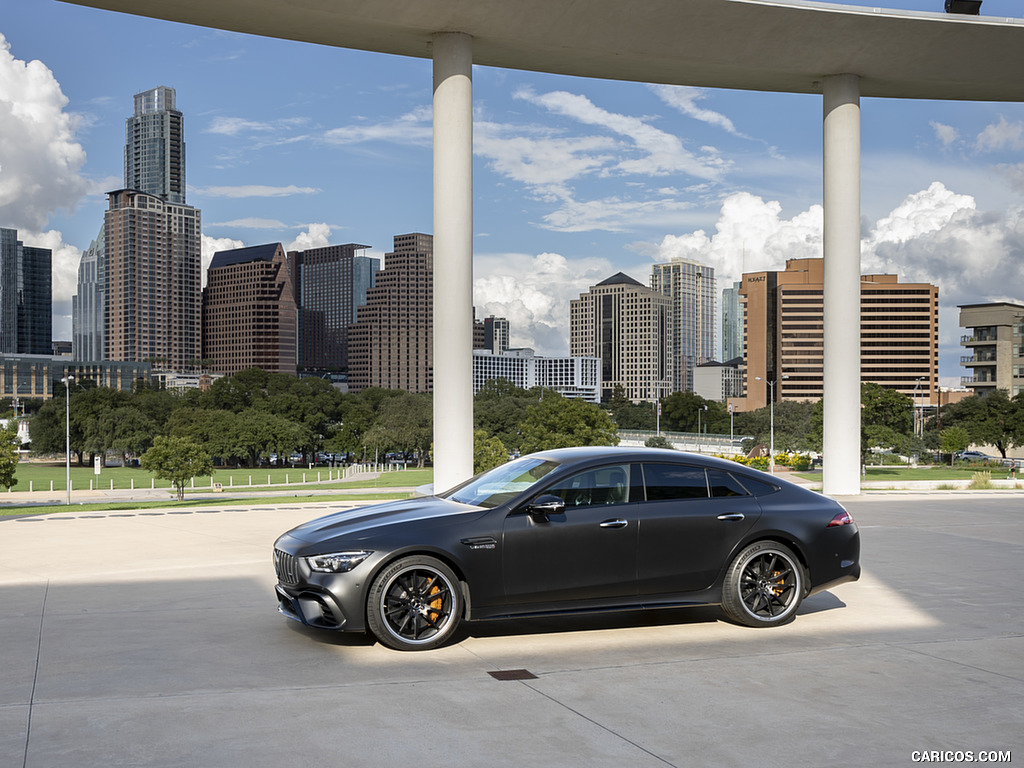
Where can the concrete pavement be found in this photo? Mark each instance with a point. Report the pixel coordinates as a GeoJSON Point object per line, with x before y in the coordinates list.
{"type": "Point", "coordinates": [151, 638]}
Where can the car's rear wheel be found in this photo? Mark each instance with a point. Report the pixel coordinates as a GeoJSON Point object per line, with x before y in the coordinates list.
{"type": "Point", "coordinates": [763, 586]}
{"type": "Point", "coordinates": [414, 604]}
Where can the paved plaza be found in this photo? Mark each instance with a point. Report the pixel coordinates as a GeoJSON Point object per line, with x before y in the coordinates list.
{"type": "Point", "coordinates": [151, 638]}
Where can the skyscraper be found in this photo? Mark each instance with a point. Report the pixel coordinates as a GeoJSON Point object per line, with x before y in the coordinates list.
{"type": "Point", "coordinates": [628, 326]}
{"type": "Point", "coordinates": [154, 150]}
{"type": "Point", "coordinates": [390, 344]}
{"type": "Point", "coordinates": [26, 298]}
{"type": "Point", "coordinates": [691, 286]}
{"type": "Point", "coordinates": [249, 313]}
{"type": "Point", "coordinates": [732, 323]}
{"type": "Point", "coordinates": [995, 341]}
{"type": "Point", "coordinates": [143, 271]}
{"type": "Point", "coordinates": [496, 333]}
{"type": "Point", "coordinates": [330, 284]}
{"type": "Point", "coordinates": [88, 306]}
{"type": "Point", "coordinates": [153, 275]}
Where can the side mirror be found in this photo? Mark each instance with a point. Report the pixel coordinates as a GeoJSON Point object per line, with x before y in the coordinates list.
{"type": "Point", "coordinates": [547, 504]}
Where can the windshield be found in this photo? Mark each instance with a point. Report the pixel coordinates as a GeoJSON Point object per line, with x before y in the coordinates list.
{"type": "Point", "coordinates": [502, 483]}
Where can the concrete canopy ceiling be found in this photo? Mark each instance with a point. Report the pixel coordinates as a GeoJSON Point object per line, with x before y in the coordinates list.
{"type": "Point", "coordinates": [744, 44]}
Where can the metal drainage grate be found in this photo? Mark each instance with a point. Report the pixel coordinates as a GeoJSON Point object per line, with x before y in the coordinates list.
{"type": "Point", "coordinates": [513, 674]}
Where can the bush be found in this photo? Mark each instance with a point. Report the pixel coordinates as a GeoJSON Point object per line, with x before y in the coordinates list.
{"type": "Point", "coordinates": [981, 481]}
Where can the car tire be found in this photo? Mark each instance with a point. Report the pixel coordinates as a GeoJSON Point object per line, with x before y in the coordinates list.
{"type": "Point", "coordinates": [764, 585]}
{"type": "Point", "coordinates": [414, 604]}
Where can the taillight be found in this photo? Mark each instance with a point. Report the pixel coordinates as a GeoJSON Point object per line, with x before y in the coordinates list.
{"type": "Point", "coordinates": [841, 518]}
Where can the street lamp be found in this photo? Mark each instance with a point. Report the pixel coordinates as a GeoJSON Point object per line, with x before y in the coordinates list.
{"type": "Point", "coordinates": [67, 433]}
{"type": "Point", "coordinates": [771, 422]}
{"type": "Point", "coordinates": [917, 415]}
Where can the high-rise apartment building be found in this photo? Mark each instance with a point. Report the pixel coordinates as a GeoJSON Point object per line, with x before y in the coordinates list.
{"type": "Point", "coordinates": [995, 340]}
{"type": "Point", "coordinates": [142, 274]}
{"type": "Point", "coordinates": [784, 337]}
{"type": "Point", "coordinates": [693, 291]}
{"type": "Point", "coordinates": [153, 277]}
{"type": "Point", "coordinates": [26, 298]}
{"type": "Point", "coordinates": [154, 148]}
{"type": "Point", "coordinates": [390, 344]}
{"type": "Point", "coordinates": [88, 306]}
{"type": "Point", "coordinates": [732, 322]}
{"type": "Point", "coordinates": [249, 314]}
{"type": "Point", "coordinates": [629, 327]}
{"type": "Point", "coordinates": [330, 284]}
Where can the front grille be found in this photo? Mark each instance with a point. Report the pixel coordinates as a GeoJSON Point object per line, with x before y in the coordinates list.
{"type": "Point", "coordinates": [287, 567]}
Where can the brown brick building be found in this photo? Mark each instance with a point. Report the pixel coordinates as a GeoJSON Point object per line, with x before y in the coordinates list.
{"type": "Point", "coordinates": [391, 343]}
{"type": "Point", "coordinates": [249, 313]}
{"type": "Point", "coordinates": [784, 337]}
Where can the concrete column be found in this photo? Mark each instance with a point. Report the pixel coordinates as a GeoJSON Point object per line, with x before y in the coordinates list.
{"type": "Point", "coordinates": [841, 444]}
{"type": "Point", "coordinates": [453, 259]}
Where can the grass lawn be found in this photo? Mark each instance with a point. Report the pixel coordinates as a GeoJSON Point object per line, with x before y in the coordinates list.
{"type": "Point", "coordinates": [38, 476]}
{"type": "Point", "coordinates": [938, 473]}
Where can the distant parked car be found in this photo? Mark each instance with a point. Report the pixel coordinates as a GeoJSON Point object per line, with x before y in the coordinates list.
{"type": "Point", "coordinates": [974, 456]}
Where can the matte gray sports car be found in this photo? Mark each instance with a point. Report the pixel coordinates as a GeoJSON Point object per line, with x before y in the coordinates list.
{"type": "Point", "coordinates": [564, 531]}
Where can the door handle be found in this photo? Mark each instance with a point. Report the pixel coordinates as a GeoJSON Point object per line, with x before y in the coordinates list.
{"type": "Point", "coordinates": [732, 517]}
{"type": "Point", "coordinates": [620, 523]}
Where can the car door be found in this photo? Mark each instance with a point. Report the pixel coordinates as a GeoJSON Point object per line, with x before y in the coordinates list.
{"type": "Point", "coordinates": [686, 533]}
{"type": "Point", "coordinates": [586, 552]}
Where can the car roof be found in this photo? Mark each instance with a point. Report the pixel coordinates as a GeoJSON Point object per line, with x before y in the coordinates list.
{"type": "Point", "coordinates": [594, 453]}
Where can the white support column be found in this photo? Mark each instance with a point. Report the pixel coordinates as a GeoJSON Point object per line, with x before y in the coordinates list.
{"type": "Point", "coordinates": [453, 259]}
{"type": "Point", "coordinates": [841, 439]}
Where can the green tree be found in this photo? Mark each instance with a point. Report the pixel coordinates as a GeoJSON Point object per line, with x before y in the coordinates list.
{"type": "Point", "coordinates": [630, 415]}
{"type": "Point", "coordinates": [9, 444]}
{"type": "Point", "coordinates": [558, 422]}
{"type": "Point", "coordinates": [952, 440]}
{"type": "Point", "coordinates": [658, 441]}
{"type": "Point", "coordinates": [499, 409]}
{"type": "Point", "coordinates": [404, 423]}
{"type": "Point", "coordinates": [177, 460]}
{"type": "Point", "coordinates": [488, 452]}
{"type": "Point", "coordinates": [991, 419]}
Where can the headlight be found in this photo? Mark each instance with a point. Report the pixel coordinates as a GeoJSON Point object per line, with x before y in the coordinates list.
{"type": "Point", "coordinates": [336, 562]}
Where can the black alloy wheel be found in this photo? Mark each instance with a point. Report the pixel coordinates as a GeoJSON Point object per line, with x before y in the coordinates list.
{"type": "Point", "coordinates": [414, 604]}
{"type": "Point", "coordinates": [764, 585]}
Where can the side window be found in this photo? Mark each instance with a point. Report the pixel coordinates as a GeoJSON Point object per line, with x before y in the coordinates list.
{"type": "Point", "coordinates": [666, 482]}
{"type": "Point", "coordinates": [594, 487]}
{"type": "Point", "coordinates": [724, 484]}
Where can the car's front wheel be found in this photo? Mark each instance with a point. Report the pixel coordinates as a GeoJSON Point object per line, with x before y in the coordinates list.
{"type": "Point", "coordinates": [763, 586]}
{"type": "Point", "coordinates": [414, 604]}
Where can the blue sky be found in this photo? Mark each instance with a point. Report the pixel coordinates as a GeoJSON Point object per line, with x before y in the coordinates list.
{"type": "Point", "coordinates": [574, 179]}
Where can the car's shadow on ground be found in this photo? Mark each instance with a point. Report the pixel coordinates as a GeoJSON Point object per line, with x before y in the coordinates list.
{"type": "Point", "coordinates": [583, 622]}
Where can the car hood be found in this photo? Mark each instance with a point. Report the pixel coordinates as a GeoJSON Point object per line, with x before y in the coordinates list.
{"type": "Point", "coordinates": [350, 522]}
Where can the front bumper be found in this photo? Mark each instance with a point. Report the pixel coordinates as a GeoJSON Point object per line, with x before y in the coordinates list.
{"type": "Point", "coordinates": [314, 609]}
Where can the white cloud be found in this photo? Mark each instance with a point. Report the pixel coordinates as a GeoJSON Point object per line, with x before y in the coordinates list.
{"type": "Point", "coordinates": [415, 127]}
{"type": "Point", "coordinates": [684, 98]}
{"type": "Point", "coordinates": [234, 126]}
{"type": "Point", "coordinates": [1001, 136]}
{"type": "Point", "coordinates": [657, 153]}
{"type": "Point", "coordinates": [315, 236]}
{"type": "Point", "coordinates": [255, 190]}
{"type": "Point", "coordinates": [533, 292]}
{"type": "Point", "coordinates": [946, 134]}
{"type": "Point", "coordinates": [39, 157]}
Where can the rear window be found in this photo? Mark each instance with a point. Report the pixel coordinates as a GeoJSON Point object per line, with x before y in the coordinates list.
{"type": "Point", "coordinates": [724, 484]}
{"type": "Point", "coordinates": [666, 482]}
{"type": "Point", "coordinates": [757, 487]}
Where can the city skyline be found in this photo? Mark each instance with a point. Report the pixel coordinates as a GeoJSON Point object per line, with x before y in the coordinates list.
{"type": "Point", "coordinates": [575, 180]}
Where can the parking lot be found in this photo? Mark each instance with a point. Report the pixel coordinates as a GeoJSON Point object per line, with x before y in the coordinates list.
{"type": "Point", "coordinates": [152, 638]}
